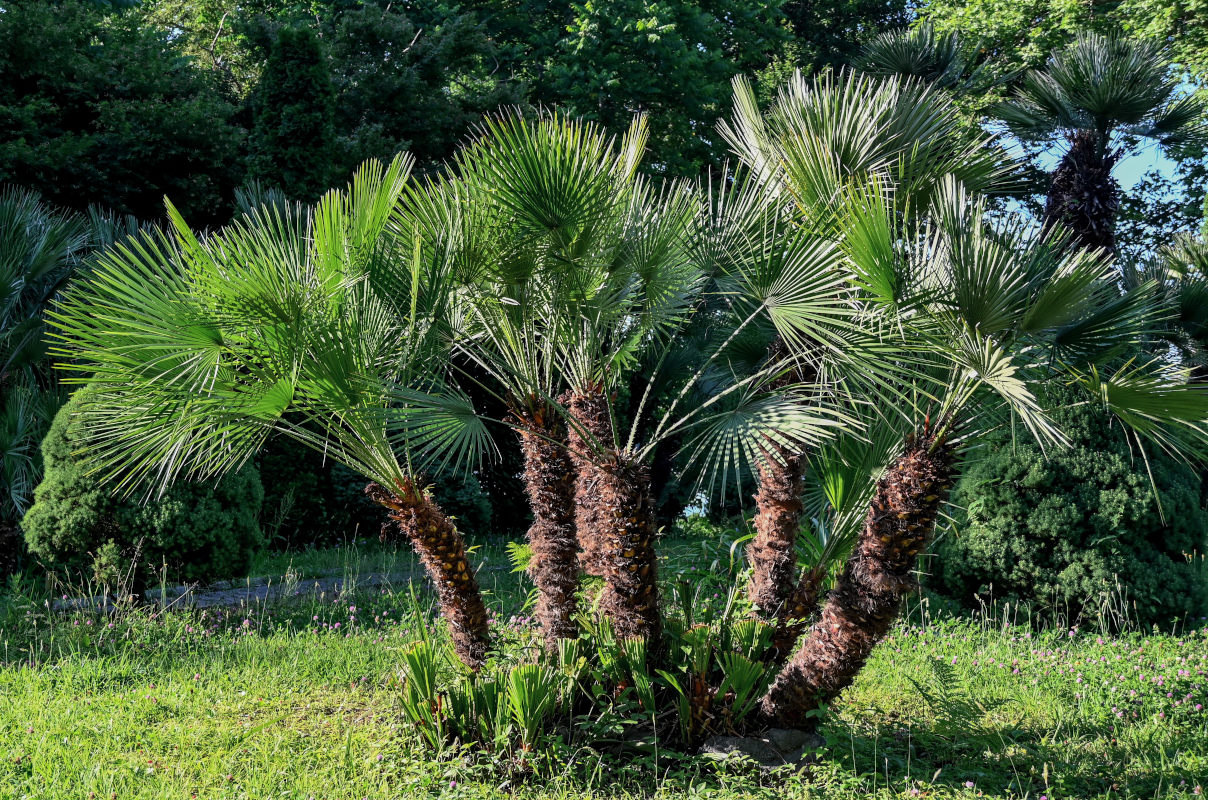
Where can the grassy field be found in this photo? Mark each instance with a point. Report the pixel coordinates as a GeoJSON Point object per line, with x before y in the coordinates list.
{"type": "Point", "coordinates": [294, 698]}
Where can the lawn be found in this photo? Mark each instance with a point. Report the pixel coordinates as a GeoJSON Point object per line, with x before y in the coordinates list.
{"type": "Point", "coordinates": [294, 697]}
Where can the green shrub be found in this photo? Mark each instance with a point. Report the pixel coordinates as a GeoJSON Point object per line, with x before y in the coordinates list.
{"type": "Point", "coordinates": [75, 526]}
{"type": "Point", "coordinates": [1078, 531]}
{"type": "Point", "coordinates": [310, 501]}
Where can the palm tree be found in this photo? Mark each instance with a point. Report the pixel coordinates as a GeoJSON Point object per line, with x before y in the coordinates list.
{"type": "Point", "coordinates": [987, 316]}
{"type": "Point", "coordinates": [1101, 94]}
{"type": "Point", "coordinates": [589, 275]}
{"type": "Point", "coordinates": [922, 52]}
{"type": "Point", "coordinates": [542, 217]}
{"type": "Point", "coordinates": [818, 142]}
{"type": "Point", "coordinates": [326, 325]}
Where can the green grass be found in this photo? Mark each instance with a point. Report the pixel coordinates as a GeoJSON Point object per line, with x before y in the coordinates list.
{"type": "Point", "coordinates": [293, 698]}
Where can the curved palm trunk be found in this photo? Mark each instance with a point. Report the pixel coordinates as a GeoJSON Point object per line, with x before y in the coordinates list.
{"type": "Point", "coordinates": [868, 596]}
{"type": "Point", "coordinates": [1084, 197]}
{"type": "Point", "coordinates": [443, 554]}
{"type": "Point", "coordinates": [549, 479]}
{"type": "Point", "coordinates": [626, 538]}
{"type": "Point", "coordinates": [589, 408]}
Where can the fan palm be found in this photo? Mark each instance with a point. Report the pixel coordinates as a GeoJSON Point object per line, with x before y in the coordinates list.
{"type": "Point", "coordinates": [587, 275]}
{"type": "Point", "coordinates": [819, 142]}
{"type": "Point", "coordinates": [923, 53]}
{"type": "Point", "coordinates": [987, 316]}
{"type": "Point", "coordinates": [326, 325]}
{"type": "Point", "coordinates": [556, 239]}
{"type": "Point", "coordinates": [1101, 94]}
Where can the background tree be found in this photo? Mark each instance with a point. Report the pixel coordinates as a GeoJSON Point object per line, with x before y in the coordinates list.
{"type": "Point", "coordinates": [671, 61]}
{"type": "Point", "coordinates": [96, 109]}
{"type": "Point", "coordinates": [293, 137]}
{"type": "Point", "coordinates": [1100, 94]}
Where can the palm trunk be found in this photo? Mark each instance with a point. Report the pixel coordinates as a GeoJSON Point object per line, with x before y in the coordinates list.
{"type": "Point", "coordinates": [868, 596]}
{"type": "Point", "coordinates": [773, 552]}
{"type": "Point", "coordinates": [797, 612]}
{"type": "Point", "coordinates": [1084, 197]}
{"type": "Point", "coordinates": [549, 480]}
{"type": "Point", "coordinates": [626, 536]}
{"type": "Point", "coordinates": [589, 408]}
{"type": "Point", "coordinates": [443, 554]}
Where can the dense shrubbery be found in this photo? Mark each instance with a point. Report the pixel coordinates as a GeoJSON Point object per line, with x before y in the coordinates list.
{"type": "Point", "coordinates": [200, 531]}
{"type": "Point", "coordinates": [1061, 531]}
{"type": "Point", "coordinates": [310, 501]}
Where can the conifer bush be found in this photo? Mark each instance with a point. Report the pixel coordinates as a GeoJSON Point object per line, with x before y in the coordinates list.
{"type": "Point", "coordinates": [1079, 530]}
{"type": "Point", "coordinates": [200, 531]}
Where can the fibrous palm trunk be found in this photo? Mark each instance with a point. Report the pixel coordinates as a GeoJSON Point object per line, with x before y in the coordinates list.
{"type": "Point", "coordinates": [775, 590]}
{"type": "Point", "coordinates": [868, 596]}
{"type": "Point", "coordinates": [773, 552]}
{"type": "Point", "coordinates": [588, 407]}
{"type": "Point", "coordinates": [549, 479]}
{"type": "Point", "coordinates": [626, 536]}
{"type": "Point", "coordinates": [443, 553]}
{"type": "Point", "coordinates": [1084, 197]}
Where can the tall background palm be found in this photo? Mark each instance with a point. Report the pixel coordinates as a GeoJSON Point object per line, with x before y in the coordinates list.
{"type": "Point", "coordinates": [325, 325]}
{"type": "Point", "coordinates": [1100, 96]}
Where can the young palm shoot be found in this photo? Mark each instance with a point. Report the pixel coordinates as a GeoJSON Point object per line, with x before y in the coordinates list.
{"type": "Point", "coordinates": [327, 325]}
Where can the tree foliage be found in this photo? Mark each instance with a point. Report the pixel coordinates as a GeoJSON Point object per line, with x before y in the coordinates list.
{"type": "Point", "coordinates": [200, 531]}
{"type": "Point", "coordinates": [96, 109]}
{"type": "Point", "coordinates": [1078, 530]}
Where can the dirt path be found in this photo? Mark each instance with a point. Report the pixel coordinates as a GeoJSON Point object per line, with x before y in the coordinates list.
{"type": "Point", "coordinates": [261, 591]}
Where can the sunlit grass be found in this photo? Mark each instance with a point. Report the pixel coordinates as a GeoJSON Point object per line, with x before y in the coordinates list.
{"type": "Point", "coordinates": [293, 697]}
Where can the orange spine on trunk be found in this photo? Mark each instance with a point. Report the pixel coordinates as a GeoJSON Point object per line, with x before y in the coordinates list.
{"type": "Point", "coordinates": [443, 554]}
{"type": "Point", "coordinates": [868, 596]}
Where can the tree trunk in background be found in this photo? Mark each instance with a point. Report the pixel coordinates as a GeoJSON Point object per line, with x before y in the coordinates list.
{"type": "Point", "coordinates": [549, 479]}
{"type": "Point", "coordinates": [773, 551]}
{"type": "Point", "coordinates": [443, 554]}
{"type": "Point", "coordinates": [589, 407]}
{"type": "Point", "coordinates": [868, 596]}
{"type": "Point", "coordinates": [10, 548]}
{"type": "Point", "coordinates": [1084, 197]}
{"type": "Point", "coordinates": [626, 535]}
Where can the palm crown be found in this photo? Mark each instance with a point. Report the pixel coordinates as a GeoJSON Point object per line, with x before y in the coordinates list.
{"type": "Point", "coordinates": [325, 326]}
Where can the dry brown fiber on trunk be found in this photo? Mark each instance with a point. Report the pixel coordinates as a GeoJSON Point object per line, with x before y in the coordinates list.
{"type": "Point", "coordinates": [549, 482]}
{"type": "Point", "coordinates": [868, 596]}
{"type": "Point", "coordinates": [589, 409]}
{"type": "Point", "coordinates": [443, 554]}
{"type": "Point", "coordinates": [1084, 196]}
{"type": "Point", "coordinates": [630, 599]}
